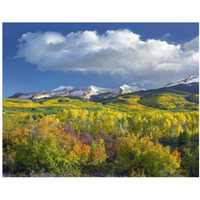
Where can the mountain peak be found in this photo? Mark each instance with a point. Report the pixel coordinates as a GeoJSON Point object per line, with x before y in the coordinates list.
{"type": "Point", "coordinates": [129, 89]}
{"type": "Point", "coordinates": [63, 88]}
{"type": "Point", "coordinates": [192, 78]}
{"type": "Point", "coordinates": [85, 93]}
{"type": "Point", "coordinates": [125, 85]}
{"type": "Point", "coordinates": [92, 87]}
{"type": "Point", "coordinates": [188, 80]}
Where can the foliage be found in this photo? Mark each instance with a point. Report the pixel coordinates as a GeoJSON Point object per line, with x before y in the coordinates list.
{"type": "Point", "coordinates": [169, 101]}
{"type": "Point", "coordinates": [39, 154]}
{"type": "Point", "coordinates": [116, 137]}
{"type": "Point", "coordinates": [183, 138]}
{"type": "Point", "coordinates": [48, 148]}
{"type": "Point", "coordinates": [190, 159]}
{"type": "Point", "coordinates": [141, 157]}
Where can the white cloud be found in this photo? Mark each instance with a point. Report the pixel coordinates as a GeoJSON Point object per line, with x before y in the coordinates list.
{"type": "Point", "coordinates": [165, 36]}
{"type": "Point", "coordinates": [192, 45]}
{"type": "Point", "coordinates": [119, 51]}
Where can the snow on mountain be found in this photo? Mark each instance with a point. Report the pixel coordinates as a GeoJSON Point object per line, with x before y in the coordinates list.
{"type": "Point", "coordinates": [190, 79]}
{"type": "Point", "coordinates": [85, 93]}
{"type": "Point", "coordinates": [93, 90]}
{"type": "Point", "coordinates": [26, 96]}
{"type": "Point", "coordinates": [41, 96]}
{"type": "Point", "coordinates": [63, 88]}
{"type": "Point", "coordinates": [77, 93]}
{"type": "Point", "coordinates": [193, 80]}
{"type": "Point", "coordinates": [126, 89]}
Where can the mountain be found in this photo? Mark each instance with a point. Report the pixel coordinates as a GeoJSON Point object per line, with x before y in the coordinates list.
{"type": "Point", "coordinates": [190, 79]}
{"type": "Point", "coordinates": [189, 85]}
{"type": "Point", "coordinates": [126, 89]}
{"type": "Point", "coordinates": [180, 97]}
{"type": "Point", "coordinates": [92, 92]}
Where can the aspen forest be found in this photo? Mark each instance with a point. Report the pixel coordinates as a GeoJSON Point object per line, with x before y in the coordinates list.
{"type": "Point", "coordinates": [80, 138]}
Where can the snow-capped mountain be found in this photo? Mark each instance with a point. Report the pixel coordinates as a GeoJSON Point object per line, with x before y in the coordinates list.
{"type": "Point", "coordinates": [129, 89]}
{"type": "Point", "coordinates": [109, 92]}
{"type": "Point", "coordinates": [63, 88]}
{"type": "Point", "coordinates": [189, 80]}
{"type": "Point", "coordinates": [96, 93]}
{"type": "Point", "coordinates": [85, 93]}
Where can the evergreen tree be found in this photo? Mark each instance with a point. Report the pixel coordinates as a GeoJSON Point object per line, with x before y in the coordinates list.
{"type": "Point", "coordinates": [184, 138]}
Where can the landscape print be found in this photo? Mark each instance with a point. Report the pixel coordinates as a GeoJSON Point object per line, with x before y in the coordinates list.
{"type": "Point", "coordinates": [100, 100]}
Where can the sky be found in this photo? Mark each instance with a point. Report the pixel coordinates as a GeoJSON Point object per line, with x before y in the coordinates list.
{"type": "Point", "coordinates": [43, 56]}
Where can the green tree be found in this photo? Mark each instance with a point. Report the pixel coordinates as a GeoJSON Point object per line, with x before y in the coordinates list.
{"type": "Point", "coordinates": [190, 161]}
{"type": "Point", "coordinates": [140, 157]}
{"type": "Point", "coordinates": [183, 138]}
{"type": "Point", "coordinates": [39, 154]}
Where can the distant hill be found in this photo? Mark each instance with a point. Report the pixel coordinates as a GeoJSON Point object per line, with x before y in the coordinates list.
{"type": "Point", "coordinates": [178, 97]}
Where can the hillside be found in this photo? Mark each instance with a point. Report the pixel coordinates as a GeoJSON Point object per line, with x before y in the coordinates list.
{"type": "Point", "coordinates": [176, 98]}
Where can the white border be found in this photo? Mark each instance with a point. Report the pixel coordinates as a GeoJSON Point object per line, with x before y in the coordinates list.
{"type": "Point", "coordinates": [98, 11]}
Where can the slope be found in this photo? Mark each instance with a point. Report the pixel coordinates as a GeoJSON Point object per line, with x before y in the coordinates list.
{"type": "Point", "coordinates": [176, 98]}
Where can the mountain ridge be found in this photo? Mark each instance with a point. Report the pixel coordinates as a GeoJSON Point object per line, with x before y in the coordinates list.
{"type": "Point", "coordinates": [188, 80]}
{"type": "Point", "coordinates": [98, 93]}
{"type": "Point", "coordinates": [84, 93]}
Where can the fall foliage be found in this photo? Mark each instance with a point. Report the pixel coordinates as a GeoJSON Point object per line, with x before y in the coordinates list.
{"type": "Point", "coordinates": [72, 137]}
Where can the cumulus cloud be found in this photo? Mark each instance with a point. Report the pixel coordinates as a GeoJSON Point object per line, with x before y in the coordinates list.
{"type": "Point", "coordinates": [192, 45]}
{"type": "Point", "coordinates": [116, 51]}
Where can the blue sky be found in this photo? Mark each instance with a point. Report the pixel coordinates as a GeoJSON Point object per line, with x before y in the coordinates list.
{"type": "Point", "coordinates": [147, 55]}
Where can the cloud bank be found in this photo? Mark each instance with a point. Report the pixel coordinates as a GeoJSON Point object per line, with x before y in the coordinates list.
{"type": "Point", "coordinates": [115, 51]}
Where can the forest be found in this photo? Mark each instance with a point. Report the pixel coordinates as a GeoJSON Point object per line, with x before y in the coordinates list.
{"type": "Point", "coordinates": [127, 136]}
